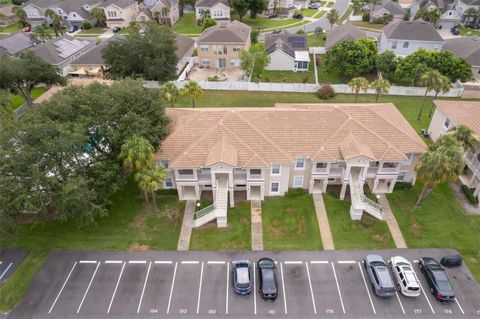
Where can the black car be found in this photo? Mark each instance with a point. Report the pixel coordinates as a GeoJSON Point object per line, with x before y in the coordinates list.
{"type": "Point", "coordinates": [267, 279]}
{"type": "Point", "coordinates": [455, 31]}
{"type": "Point", "coordinates": [437, 279]}
{"type": "Point", "coordinates": [116, 29]}
{"type": "Point", "coordinates": [242, 277]}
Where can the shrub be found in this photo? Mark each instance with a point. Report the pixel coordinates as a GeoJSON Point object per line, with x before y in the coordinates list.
{"type": "Point", "coordinates": [366, 17]}
{"type": "Point", "coordinates": [17, 2]}
{"type": "Point", "coordinates": [300, 32]}
{"type": "Point", "coordinates": [297, 15]}
{"type": "Point", "coordinates": [400, 186]}
{"type": "Point", "coordinates": [319, 60]}
{"type": "Point", "coordinates": [325, 92]}
{"type": "Point", "coordinates": [86, 25]}
{"type": "Point", "coordinates": [469, 195]}
{"type": "Point", "coordinates": [295, 192]}
{"type": "Point", "coordinates": [214, 78]}
{"type": "Point", "coordinates": [305, 79]}
{"type": "Point", "coordinates": [318, 31]}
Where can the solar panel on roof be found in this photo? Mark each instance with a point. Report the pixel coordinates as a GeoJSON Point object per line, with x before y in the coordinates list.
{"type": "Point", "coordinates": [67, 48]}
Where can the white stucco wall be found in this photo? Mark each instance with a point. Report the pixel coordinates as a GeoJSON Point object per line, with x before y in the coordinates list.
{"type": "Point", "coordinates": [387, 44]}
{"type": "Point", "coordinates": [280, 61]}
{"type": "Point", "coordinates": [437, 127]}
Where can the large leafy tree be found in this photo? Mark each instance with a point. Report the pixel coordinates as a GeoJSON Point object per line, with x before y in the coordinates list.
{"type": "Point", "coordinates": [99, 15]}
{"type": "Point", "coordinates": [254, 61]}
{"type": "Point", "coordinates": [20, 76]}
{"type": "Point", "coordinates": [151, 56]}
{"type": "Point", "coordinates": [256, 6]}
{"type": "Point", "coordinates": [240, 7]}
{"type": "Point", "coordinates": [357, 84]}
{"type": "Point", "coordinates": [386, 63]}
{"type": "Point", "coordinates": [351, 58]}
{"type": "Point", "coordinates": [150, 179]}
{"type": "Point", "coordinates": [20, 14]}
{"type": "Point", "coordinates": [193, 90]}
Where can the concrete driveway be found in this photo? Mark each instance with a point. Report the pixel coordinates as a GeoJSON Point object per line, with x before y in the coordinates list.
{"type": "Point", "coordinates": [198, 285]}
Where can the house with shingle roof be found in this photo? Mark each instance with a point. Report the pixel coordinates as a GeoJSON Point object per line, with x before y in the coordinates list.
{"type": "Point", "coordinates": [406, 37]}
{"type": "Point", "coordinates": [7, 17]}
{"type": "Point", "coordinates": [14, 44]}
{"type": "Point", "coordinates": [166, 11]}
{"type": "Point", "coordinates": [342, 33]}
{"type": "Point", "coordinates": [448, 15]}
{"type": "Point", "coordinates": [120, 13]}
{"type": "Point", "coordinates": [447, 116]}
{"type": "Point", "coordinates": [264, 152]}
{"type": "Point", "coordinates": [386, 7]}
{"type": "Point", "coordinates": [287, 51]}
{"type": "Point", "coordinates": [219, 46]}
{"type": "Point", "coordinates": [467, 48]}
{"type": "Point", "coordinates": [461, 6]}
{"type": "Point", "coordinates": [219, 10]}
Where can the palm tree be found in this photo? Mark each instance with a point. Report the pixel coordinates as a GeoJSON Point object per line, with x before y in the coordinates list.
{"type": "Point", "coordinates": [41, 33]}
{"type": "Point", "coordinates": [165, 12]}
{"type": "Point", "coordinates": [443, 85]}
{"type": "Point", "coordinates": [99, 15]}
{"type": "Point", "coordinates": [193, 90]}
{"type": "Point", "coordinates": [136, 152]}
{"type": "Point", "coordinates": [380, 86]}
{"type": "Point", "coordinates": [442, 163]}
{"type": "Point", "coordinates": [469, 13]}
{"type": "Point", "coordinates": [357, 84]}
{"type": "Point", "coordinates": [433, 16]}
{"type": "Point", "coordinates": [204, 14]}
{"type": "Point", "coordinates": [56, 21]}
{"type": "Point", "coordinates": [20, 14]}
{"type": "Point", "coordinates": [428, 79]}
{"type": "Point", "coordinates": [170, 93]}
{"type": "Point", "coordinates": [150, 179]}
{"type": "Point", "coordinates": [332, 17]}
{"type": "Point", "coordinates": [156, 15]}
{"type": "Point", "coordinates": [374, 3]}
{"type": "Point", "coordinates": [466, 136]}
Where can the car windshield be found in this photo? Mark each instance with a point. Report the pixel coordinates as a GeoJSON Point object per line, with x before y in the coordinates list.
{"type": "Point", "coordinates": [377, 264]}
{"type": "Point", "coordinates": [243, 277]}
{"type": "Point", "coordinates": [268, 279]}
{"type": "Point", "coordinates": [266, 263]}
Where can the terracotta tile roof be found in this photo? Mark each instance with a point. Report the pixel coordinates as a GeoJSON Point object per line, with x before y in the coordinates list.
{"type": "Point", "coordinates": [258, 137]}
{"type": "Point", "coordinates": [462, 112]}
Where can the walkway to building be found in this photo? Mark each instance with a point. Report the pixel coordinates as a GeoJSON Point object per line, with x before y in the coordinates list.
{"type": "Point", "coordinates": [256, 221]}
{"type": "Point", "coordinates": [467, 207]}
{"type": "Point", "coordinates": [323, 225]}
{"type": "Point", "coordinates": [392, 222]}
{"type": "Point", "coordinates": [186, 232]}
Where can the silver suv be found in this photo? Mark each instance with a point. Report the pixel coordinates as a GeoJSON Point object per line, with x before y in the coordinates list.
{"type": "Point", "coordinates": [377, 270]}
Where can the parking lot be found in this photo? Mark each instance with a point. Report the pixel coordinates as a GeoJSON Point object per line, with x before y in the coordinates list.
{"type": "Point", "coordinates": [198, 284]}
{"type": "Point", "coordinates": [10, 259]}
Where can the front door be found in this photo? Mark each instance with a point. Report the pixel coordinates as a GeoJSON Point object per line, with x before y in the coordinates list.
{"type": "Point", "coordinates": [221, 63]}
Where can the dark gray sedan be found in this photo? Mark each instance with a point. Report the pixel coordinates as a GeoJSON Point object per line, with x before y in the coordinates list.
{"type": "Point", "coordinates": [242, 277]}
{"type": "Point", "coordinates": [382, 281]}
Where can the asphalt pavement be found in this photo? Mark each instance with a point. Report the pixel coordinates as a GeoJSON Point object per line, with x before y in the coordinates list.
{"type": "Point", "coordinates": [10, 259]}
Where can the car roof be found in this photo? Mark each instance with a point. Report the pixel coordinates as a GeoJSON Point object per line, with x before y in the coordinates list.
{"type": "Point", "coordinates": [243, 276]}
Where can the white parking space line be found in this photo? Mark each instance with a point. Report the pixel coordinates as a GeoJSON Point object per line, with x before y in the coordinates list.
{"type": "Point", "coordinates": [137, 261]}
{"type": "Point", "coordinates": [458, 304]}
{"type": "Point", "coordinates": [189, 262]}
{"type": "Point", "coordinates": [163, 262]}
{"type": "Point", "coordinates": [423, 291]}
{"type": "Point", "coordinates": [143, 289]}
{"type": "Point", "coordinates": [87, 262]}
{"type": "Point", "coordinates": [88, 288]}
{"type": "Point", "coordinates": [366, 288]}
{"type": "Point", "coordinates": [338, 287]}
{"type": "Point", "coordinates": [296, 262]}
{"type": "Point", "coordinates": [113, 261]}
{"type": "Point", "coordinates": [116, 286]}
{"type": "Point", "coordinates": [63, 286]}
{"type": "Point", "coordinates": [283, 286]}
{"type": "Point", "coordinates": [216, 262]}
{"type": "Point", "coordinates": [3, 274]}
{"type": "Point", "coordinates": [200, 289]}
{"type": "Point", "coordinates": [254, 290]}
{"type": "Point", "coordinates": [416, 261]}
{"type": "Point", "coordinates": [398, 298]}
{"type": "Point", "coordinates": [311, 289]}
{"type": "Point", "coordinates": [319, 262]}
{"type": "Point", "coordinates": [347, 262]}
{"type": "Point", "coordinates": [228, 288]}
{"type": "Point", "coordinates": [171, 289]}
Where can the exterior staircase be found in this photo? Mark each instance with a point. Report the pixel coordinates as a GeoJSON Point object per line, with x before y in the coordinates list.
{"type": "Point", "coordinates": [360, 203]}
{"type": "Point", "coordinates": [216, 210]}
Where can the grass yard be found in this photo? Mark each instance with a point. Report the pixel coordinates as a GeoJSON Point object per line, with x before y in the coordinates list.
{"type": "Point", "coordinates": [187, 25]}
{"type": "Point", "coordinates": [235, 237]}
{"type": "Point", "coordinates": [12, 28]}
{"type": "Point", "coordinates": [316, 41]}
{"type": "Point", "coordinates": [290, 223]}
{"type": "Point", "coordinates": [269, 24]}
{"type": "Point", "coordinates": [290, 76]}
{"type": "Point", "coordinates": [309, 12]}
{"type": "Point", "coordinates": [345, 15]}
{"type": "Point", "coordinates": [130, 226]}
{"type": "Point", "coordinates": [368, 233]}
{"type": "Point", "coordinates": [92, 31]}
{"type": "Point", "coordinates": [16, 100]}
{"type": "Point", "coordinates": [469, 31]}
{"type": "Point", "coordinates": [368, 25]}
{"type": "Point", "coordinates": [330, 4]}
{"type": "Point", "coordinates": [439, 222]}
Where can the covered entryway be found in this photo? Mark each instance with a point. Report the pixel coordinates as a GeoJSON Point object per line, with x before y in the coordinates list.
{"type": "Point", "coordinates": [255, 193]}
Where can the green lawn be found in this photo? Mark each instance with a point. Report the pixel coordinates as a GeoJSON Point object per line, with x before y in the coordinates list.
{"type": "Point", "coordinates": [235, 237]}
{"type": "Point", "coordinates": [187, 25]}
{"type": "Point", "coordinates": [309, 12]}
{"type": "Point", "coordinates": [438, 222]}
{"type": "Point", "coordinates": [16, 100]}
{"type": "Point", "coordinates": [325, 76]}
{"type": "Point", "coordinates": [368, 233]}
{"type": "Point", "coordinates": [290, 223]}
{"type": "Point", "coordinates": [290, 76]}
{"type": "Point", "coordinates": [130, 226]}
{"type": "Point", "coordinates": [12, 28]}
{"type": "Point", "coordinates": [330, 4]}
{"type": "Point", "coordinates": [316, 41]}
{"type": "Point", "coordinates": [94, 31]}
{"type": "Point", "coordinates": [345, 15]}
{"type": "Point", "coordinates": [469, 31]}
{"type": "Point", "coordinates": [269, 24]}
{"type": "Point", "coordinates": [368, 25]}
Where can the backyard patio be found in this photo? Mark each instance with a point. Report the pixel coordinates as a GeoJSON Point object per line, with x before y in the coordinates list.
{"type": "Point", "coordinates": [215, 75]}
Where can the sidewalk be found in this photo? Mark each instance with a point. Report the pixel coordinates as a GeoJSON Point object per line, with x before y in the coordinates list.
{"type": "Point", "coordinates": [392, 222]}
{"type": "Point", "coordinates": [256, 221]}
{"type": "Point", "coordinates": [467, 207]}
{"type": "Point", "coordinates": [186, 232]}
{"type": "Point", "coordinates": [323, 225]}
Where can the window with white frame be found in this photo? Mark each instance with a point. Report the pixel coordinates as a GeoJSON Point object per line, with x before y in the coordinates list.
{"type": "Point", "coordinates": [205, 170]}
{"type": "Point", "coordinates": [298, 181]}
{"type": "Point", "coordinates": [446, 124]}
{"type": "Point", "coordinates": [300, 163]}
{"type": "Point", "coordinates": [394, 45]}
{"type": "Point", "coordinates": [405, 44]}
{"type": "Point", "coordinates": [235, 62]}
{"type": "Point", "coordinates": [204, 47]}
{"type": "Point", "coordinates": [237, 48]}
{"type": "Point", "coordinates": [275, 170]}
{"type": "Point", "coordinates": [169, 183]}
{"type": "Point", "coordinates": [274, 187]}
{"type": "Point", "coordinates": [401, 176]}
{"type": "Point", "coordinates": [165, 163]}
{"type": "Point", "coordinates": [206, 62]}
{"type": "Point", "coordinates": [334, 165]}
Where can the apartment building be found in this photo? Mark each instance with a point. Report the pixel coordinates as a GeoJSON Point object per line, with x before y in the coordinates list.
{"type": "Point", "coordinates": [265, 151]}
{"type": "Point", "coordinates": [449, 114]}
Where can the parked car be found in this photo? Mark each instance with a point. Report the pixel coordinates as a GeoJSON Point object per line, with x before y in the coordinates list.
{"type": "Point", "coordinates": [377, 270]}
{"type": "Point", "coordinates": [314, 5]}
{"type": "Point", "coordinates": [437, 279]}
{"type": "Point", "coordinates": [242, 277]}
{"type": "Point", "coordinates": [267, 279]}
{"type": "Point", "coordinates": [455, 31]}
{"type": "Point", "coordinates": [116, 29]}
{"type": "Point", "coordinates": [405, 276]}
{"type": "Point", "coordinates": [27, 29]}
{"type": "Point", "coordinates": [72, 29]}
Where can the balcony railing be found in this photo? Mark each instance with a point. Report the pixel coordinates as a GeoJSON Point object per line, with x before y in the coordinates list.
{"type": "Point", "coordinates": [321, 170]}
{"type": "Point", "coordinates": [185, 176]}
{"type": "Point", "coordinates": [239, 176]}
{"type": "Point", "coordinates": [389, 170]}
{"type": "Point", "coordinates": [372, 170]}
{"type": "Point", "coordinates": [337, 171]}
{"type": "Point", "coordinates": [255, 176]}
{"type": "Point", "coordinates": [472, 160]}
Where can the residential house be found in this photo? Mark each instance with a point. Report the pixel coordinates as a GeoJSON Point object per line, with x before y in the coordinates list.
{"type": "Point", "coordinates": [287, 51]}
{"type": "Point", "coordinates": [461, 6]}
{"type": "Point", "coordinates": [342, 33]}
{"type": "Point", "coordinates": [61, 51]}
{"type": "Point", "coordinates": [386, 7]}
{"type": "Point", "coordinates": [219, 46]}
{"type": "Point", "coordinates": [7, 17]}
{"type": "Point", "coordinates": [120, 13]}
{"type": "Point", "coordinates": [16, 43]}
{"type": "Point", "coordinates": [167, 10]}
{"type": "Point", "coordinates": [448, 15]}
{"type": "Point", "coordinates": [450, 114]}
{"type": "Point", "coordinates": [467, 48]}
{"type": "Point", "coordinates": [185, 50]}
{"type": "Point", "coordinates": [406, 37]}
{"type": "Point", "coordinates": [280, 8]}
{"type": "Point", "coordinates": [260, 152]}
{"type": "Point", "coordinates": [73, 12]}
{"type": "Point", "coordinates": [218, 10]}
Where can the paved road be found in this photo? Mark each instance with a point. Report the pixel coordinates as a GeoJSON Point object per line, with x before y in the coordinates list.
{"type": "Point", "coordinates": [340, 5]}
{"type": "Point", "coordinates": [198, 285]}
{"type": "Point", "coordinates": [10, 259]}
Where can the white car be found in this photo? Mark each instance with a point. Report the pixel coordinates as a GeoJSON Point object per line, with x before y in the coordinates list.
{"type": "Point", "coordinates": [405, 276]}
